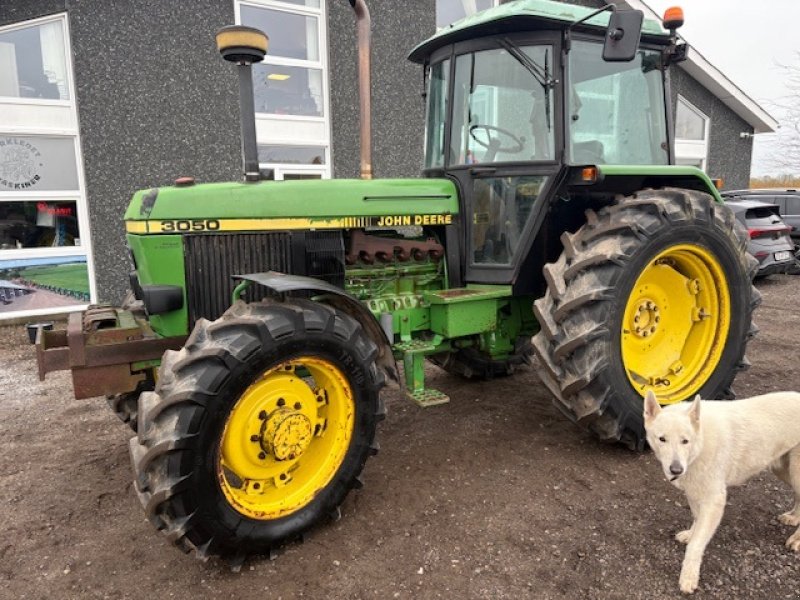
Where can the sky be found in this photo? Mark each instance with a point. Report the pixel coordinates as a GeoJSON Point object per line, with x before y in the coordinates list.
{"type": "Point", "coordinates": [747, 41]}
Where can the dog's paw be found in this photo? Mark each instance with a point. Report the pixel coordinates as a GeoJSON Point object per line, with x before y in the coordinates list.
{"type": "Point", "coordinates": [789, 518]}
{"type": "Point", "coordinates": [684, 536]}
{"type": "Point", "coordinates": [793, 543]}
{"type": "Point", "coordinates": [690, 576]}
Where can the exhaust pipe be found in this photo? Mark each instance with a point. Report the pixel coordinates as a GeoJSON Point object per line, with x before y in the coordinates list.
{"type": "Point", "coordinates": [363, 24]}
{"type": "Point", "coordinates": [244, 46]}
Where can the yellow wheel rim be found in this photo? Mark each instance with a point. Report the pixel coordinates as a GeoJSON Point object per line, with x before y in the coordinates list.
{"type": "Point", "coordinates": [285, 438]}
{"type": "Point", "coordinates": [676, 322]}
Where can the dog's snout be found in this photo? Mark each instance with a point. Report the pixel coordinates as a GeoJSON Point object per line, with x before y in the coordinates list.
{"type": "Point", "coordinates": [675, 468]}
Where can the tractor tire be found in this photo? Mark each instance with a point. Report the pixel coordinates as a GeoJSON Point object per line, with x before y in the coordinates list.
{"type": "Point", "coordinates": [653, 292]}
{"type": "Point", "coordinates": [471, 363]}
{"type": "Point", "coordinates": [258, 428]}
{"type": "Point", "coordinates": [125, 406]}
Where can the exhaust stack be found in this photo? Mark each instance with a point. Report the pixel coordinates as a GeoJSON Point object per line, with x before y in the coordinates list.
{"type": "Point", "coordinates": [244, 46]}
{"type": "Point", "coordinates": [363, 23]}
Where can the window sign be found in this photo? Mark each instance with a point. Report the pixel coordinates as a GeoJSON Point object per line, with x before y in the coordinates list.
{"type": "Point", "coordinates": [33, 62]}
{"type": "Point", "coordinates": [37, 163]}
{"type": "Point", "coordinates": [39, 224]}
{"type": "Point", "coordinates": [43, 284]}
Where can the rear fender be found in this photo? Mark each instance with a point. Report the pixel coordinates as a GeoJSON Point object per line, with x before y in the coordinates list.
{"type": "Point", "coordinates": [331, 295]}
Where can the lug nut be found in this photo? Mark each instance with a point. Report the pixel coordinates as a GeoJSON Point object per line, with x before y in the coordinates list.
{"type": "Point", "coordinates": [262, 456]}
{"type": "Point", "coordinates": [281, 402]}
{"type": "Point", "coordinates": [254, 438]}
{"type": "Point", "coordinates": [297, 406]}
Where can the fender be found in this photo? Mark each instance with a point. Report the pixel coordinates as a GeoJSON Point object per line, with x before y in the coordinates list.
{"type": "Point", "coordinates": [331, 295]}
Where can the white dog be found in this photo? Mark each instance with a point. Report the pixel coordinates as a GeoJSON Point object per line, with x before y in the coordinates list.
{"type": "Point", "coordinates": [704, 447]}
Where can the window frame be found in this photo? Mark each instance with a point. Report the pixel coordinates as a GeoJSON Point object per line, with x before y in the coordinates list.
{"type": "Point", "coordinates": [61, 17]}
{"type": "Point", "coordinates": [690, 151]}
{"type": "Point", "coordinates": [61, 121]}
{"type": "Point", "coordinates": [314, 130]}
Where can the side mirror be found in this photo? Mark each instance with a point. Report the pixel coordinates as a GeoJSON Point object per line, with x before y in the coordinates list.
{"type": "Point", "coordinates": [622, 35]}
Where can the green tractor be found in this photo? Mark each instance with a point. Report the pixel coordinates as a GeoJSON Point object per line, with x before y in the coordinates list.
{"type": "Point", "coordinates": [549, 222]}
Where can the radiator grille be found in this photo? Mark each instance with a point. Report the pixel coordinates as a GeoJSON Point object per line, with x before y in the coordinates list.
{"type": "Point", "coordinates": [210, 260]}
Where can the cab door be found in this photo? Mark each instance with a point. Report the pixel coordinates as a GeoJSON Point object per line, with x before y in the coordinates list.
{"type": "Point", "coordinates": [504, 146]}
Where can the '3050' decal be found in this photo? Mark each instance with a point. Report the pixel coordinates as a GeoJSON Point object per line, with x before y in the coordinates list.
{"type": "Point", "coordinates": [190, 225]}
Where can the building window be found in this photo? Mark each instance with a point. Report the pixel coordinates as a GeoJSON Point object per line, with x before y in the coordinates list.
{"type": "Point", "coordinates": [290, 87]}
{"type": "Point", "coordinates": [33, 62]}
{"type": "Point", "coordinates": [691, 135]}
{"type": "Point", "coordinates": [45, 261]}
{"type": "Point", "coordinates": [450, 11]}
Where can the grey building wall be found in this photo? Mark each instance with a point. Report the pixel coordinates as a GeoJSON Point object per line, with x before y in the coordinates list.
{"type": "Point", "coordinates": [398, 110]}
{"type": "Point", "coordinates": [729, 155]}
{"type": "Point", "coordinates": [155, 101]}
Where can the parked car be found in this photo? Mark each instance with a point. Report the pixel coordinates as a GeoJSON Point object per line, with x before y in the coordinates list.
{"type": "Point", "coordinates": [770, 241]}
{"type": "Point", "coordinates": [788, 201]}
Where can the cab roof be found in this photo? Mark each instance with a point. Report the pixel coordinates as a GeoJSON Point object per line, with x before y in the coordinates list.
{"type": "Point", "coordinates": [520, 15]}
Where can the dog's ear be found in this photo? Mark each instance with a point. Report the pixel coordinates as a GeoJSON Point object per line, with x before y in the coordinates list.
{"type": "Point", "coordinates": [651, 406]}
{"type": "Point", "coordinates": [694, 411]}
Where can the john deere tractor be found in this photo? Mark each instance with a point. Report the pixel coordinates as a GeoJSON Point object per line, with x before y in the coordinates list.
{"type": "Point", "coordinates": [549, 221]}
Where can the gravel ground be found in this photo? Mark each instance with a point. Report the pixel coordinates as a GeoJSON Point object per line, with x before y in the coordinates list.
{"type": "Point", "coordinates": [493, 495]}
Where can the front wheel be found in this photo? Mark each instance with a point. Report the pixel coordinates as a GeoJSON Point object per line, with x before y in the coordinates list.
{"type": "Point", "coordinates": [652, 293]}
{"type": "Point", "coordinates": [258, 428]}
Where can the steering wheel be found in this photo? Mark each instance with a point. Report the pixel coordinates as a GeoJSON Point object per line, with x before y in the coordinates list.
{"type": "Point", "coordinates": [494, 143]}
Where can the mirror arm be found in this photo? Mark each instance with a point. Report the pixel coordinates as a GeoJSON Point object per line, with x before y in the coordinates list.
{"type": "Point", "coordinates": [567, 39]}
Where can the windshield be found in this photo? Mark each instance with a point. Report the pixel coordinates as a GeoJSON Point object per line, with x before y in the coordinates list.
{"type": "Point", "coordinates": [616, 110]}
{"type": "Point", "coordinates": [501, 110]}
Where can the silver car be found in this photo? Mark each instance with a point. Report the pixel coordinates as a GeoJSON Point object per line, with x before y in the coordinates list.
{"type": "Point", "coordinates": [770, 241]}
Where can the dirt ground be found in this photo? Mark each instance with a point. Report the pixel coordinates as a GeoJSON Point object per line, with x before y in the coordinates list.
{"type": "Point", "coordinates": [493, 495]}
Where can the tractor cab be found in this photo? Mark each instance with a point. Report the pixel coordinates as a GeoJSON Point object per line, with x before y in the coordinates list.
{"type": "Point", "coordinates": [520, 94]}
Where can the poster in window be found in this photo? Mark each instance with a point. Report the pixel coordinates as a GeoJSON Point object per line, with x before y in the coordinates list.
{"type": "Point", "coordinates": [43, 283]}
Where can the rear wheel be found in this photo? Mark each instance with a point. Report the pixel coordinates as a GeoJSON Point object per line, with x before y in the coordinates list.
{"type": "Point", "coordinates": [258, 428]}
{"type": "Point", "coordinates": [651, 293]}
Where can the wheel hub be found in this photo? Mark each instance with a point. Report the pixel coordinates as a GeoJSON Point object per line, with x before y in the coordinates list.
{"type": "Point", "coordinates": [286, 434]}
{"type": "Point", "coordinates": [645, 319]}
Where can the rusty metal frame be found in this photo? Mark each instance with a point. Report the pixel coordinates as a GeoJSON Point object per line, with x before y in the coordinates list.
{"type": "Point", "coordinates": [99, 347]}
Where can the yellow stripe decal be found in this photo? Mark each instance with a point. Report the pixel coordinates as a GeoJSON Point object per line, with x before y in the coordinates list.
{"type": "Point", "coordinates": [136, 226]}
{"type": "Point", "coordinates": [211, 225]}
